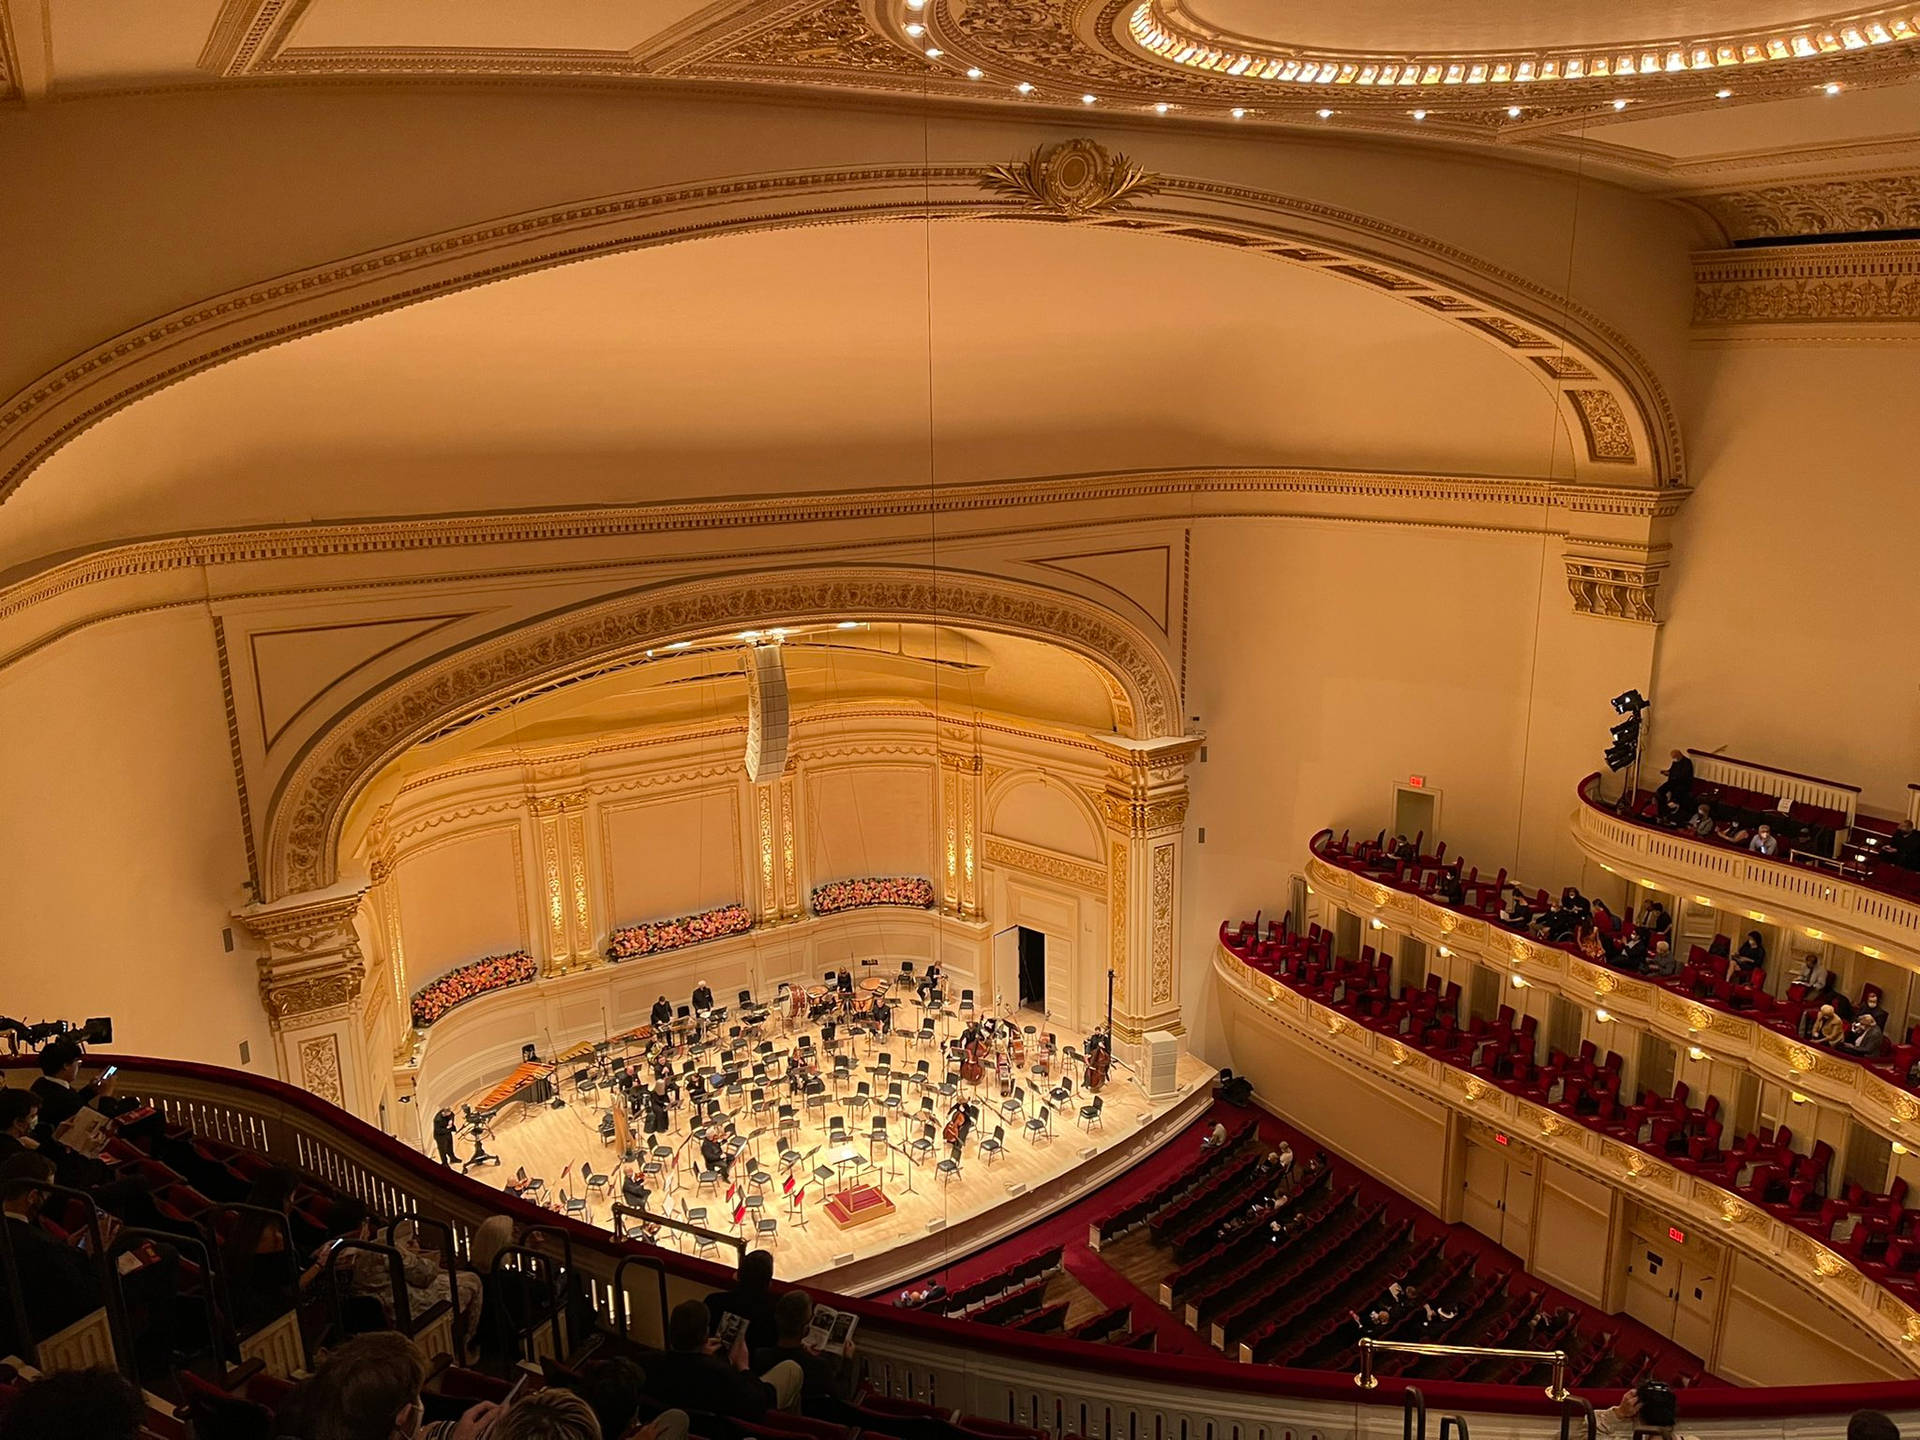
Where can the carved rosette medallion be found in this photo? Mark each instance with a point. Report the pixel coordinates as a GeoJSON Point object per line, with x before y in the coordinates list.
{"type": "Point", "coordinates": [1075, 179]}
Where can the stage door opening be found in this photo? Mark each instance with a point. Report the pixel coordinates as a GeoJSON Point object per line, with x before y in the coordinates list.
{"type": "Point", "coordinates": [1033, 968]}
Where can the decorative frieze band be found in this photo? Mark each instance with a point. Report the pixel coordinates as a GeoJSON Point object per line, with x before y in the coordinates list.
{"type": "Point", "coordinates": [1872, 282]}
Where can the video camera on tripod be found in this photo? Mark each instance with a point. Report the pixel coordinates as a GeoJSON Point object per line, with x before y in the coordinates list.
{"type": "Point", "coordinates": [19, 1033]}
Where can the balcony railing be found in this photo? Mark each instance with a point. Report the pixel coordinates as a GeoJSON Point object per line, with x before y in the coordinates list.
{"type": "Point", "coordinates": [1066, 1387]}
{"type": "Point", "coordinates": [1836, 906]}
{"type": "Point", "coordinates": [1876, 1094]}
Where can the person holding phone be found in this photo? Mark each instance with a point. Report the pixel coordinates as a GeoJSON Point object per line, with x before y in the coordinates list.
{"type": "Point", "coordinates": [705, 1375]}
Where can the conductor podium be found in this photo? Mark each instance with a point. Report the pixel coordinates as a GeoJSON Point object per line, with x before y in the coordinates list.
{"type": "Point", "coordinates": [856, 1205]}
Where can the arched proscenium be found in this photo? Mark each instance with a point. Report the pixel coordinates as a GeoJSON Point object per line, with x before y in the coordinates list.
{"type": "Point", "coordinates": [310, 806]}
{"type": "Point", "coordinates": [1603, 385]}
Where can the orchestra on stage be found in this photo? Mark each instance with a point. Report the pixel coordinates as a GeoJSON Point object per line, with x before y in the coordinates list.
{"type": "Point", "coordinates": [733, 1098]}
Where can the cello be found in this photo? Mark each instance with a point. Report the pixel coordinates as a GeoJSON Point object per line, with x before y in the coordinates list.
{"type": "Point", "coordinates": [1099, 1060]}
{"type": "Point", "coordinates": [956, 1129]}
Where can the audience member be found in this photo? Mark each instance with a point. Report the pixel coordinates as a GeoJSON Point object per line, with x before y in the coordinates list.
{"type": "Point", "coordinates": [1664, 961]}
{"type": "Point", "coordinates": [1866, 1039]}
{"type": "Point", "coordinates": [1904, 846]}
{"type": "Point", "coordinates": [1676, 791]}
{"type": "Point", "coordinates": [93, 1404]}
{"type": "Point", "coordinates": [1701, 822]}
{"type": "Point", "coordinates": [826, 1376]}
{"type": "Point", "coordinates": [1828, 1028]}
{"type": "Point", "coordinates": [1812, 973]}
{"type": "Point", "coordinates": [550, 1414]}
{"type": "Point", "coordinates": [616, 1389]}
{"type": "Point", "coordinates": [255, 1256]}
{"type": "Point", "coordinates": [1871, 1425]}
{"type": "Point", "coordinates": [1749, 959]}
{"type": "Point", "coordinates": [1765, 842]}
{"type": "Point", "coordinates": [19, 1114]}
{"type": "Point", "coordinates": [702, 1378]}
{"type": "Point", "coordinates": [1733, 831]}
{"type": "Point", "coordinates": [368, 1388]}
{"type": "Point", "coordinates": [1215, 1137]}
{"type": "Point", "coordinates": [1870, 999]}
{"type": "Point", "coordinates": [751, 1298]}
{"type": "Point", "coordinates": [1649, 1406]}
{"type": "Point", "coordinates": [60, 1283]}
{"type": "Point", "coordinates": [1654, 918]}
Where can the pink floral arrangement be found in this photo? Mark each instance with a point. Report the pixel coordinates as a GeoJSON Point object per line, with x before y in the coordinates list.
{"type": "Point", "coordinates": [464, 982]}
{"type": "Point", "coordinates": [657, 935]}
{"type": "Point", "coordinates": [907, 890]}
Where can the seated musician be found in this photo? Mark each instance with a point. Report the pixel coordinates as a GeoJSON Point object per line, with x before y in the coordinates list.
{"type": "Point", "coordinates": [695, 1088]}
{"type": "Point", "coordinates": [520, 1183]}
{"type": "Point", "coordinates": [662, 1013]}
{"type": "Point", "coordinates": [844, 982]}
{"type": "Point", "coordinates": [930, 979]}
{"type": "Point", "coordinates": [702, 997]}
{"type": "Point", "coordinates": [633, 1188]}
{"type": "Point", "coordinates": [713, 1153]}
{"type": "Point", "coordinates": [883, 1015]}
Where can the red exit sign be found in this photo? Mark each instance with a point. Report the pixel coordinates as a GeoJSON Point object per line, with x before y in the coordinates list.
{"type": "Point", "coordinates": [1418, 782]}
{"type": "Point", "coordinates": [1499, 1139]}
{"type": "Point", "coordinates": [1679, 1237]}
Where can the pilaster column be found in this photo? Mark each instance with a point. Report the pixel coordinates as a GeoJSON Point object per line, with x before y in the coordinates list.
{"type": "Point", "coordinates": [793, 903]}
{"type": "Point", "coordinates": [766, 850]}
{"type": "Point", "coordinates": [566, 896]}
{"type": "Point", "coordinates": [1145, 805]}
{"type": "Point", "coordinates": [959, 850]}
{"type": "Point", "coordinates": [313, 982]}
{"type": "Point", "coordinates": [383, 915]}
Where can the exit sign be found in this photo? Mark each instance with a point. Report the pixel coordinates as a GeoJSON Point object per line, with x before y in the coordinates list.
{"type": "Point", "coordinates": [1678, 1236]}
{"type": "Point", "coordinates": [1418, 782]}
{"type": "Point", "coordinates": [1499, 1139]}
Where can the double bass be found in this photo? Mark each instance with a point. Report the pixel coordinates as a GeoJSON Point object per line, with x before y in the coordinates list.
{"type": "Point", "coordinates": [1099, 1060]}
{"type": "Point", "coordinates": [972, 1065]}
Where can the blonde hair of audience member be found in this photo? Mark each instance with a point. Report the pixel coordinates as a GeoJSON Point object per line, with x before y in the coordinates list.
{"type": "Point", "coordinates": [550, 1414]}
{"type": "Point", "coordinates": [490, 1237]}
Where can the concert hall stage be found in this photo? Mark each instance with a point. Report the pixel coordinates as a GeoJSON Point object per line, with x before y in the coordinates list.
{"type": "Point", "coordinates": [922, 1219]}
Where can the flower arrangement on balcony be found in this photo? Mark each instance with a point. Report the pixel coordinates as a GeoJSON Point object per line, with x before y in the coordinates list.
{"type": "Point", "coordinates": [909, 891]}
{"type": "Point", "coordinates": [655, 936]}
{"type": "Point", "coordinates": [464, 982]}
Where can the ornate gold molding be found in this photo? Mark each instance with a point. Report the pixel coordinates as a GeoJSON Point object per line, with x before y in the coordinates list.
{"type": "Point", "coordinates": [1074, 179]}
{"type": "Point", "coordinates": [303, 825]}
{"type": "Point", "coordinates": [1614, 589]}
{"type": "Point", "coordinates": [1042, 862]}
{"type": "Point", "coordinates": [1137, 817]}
{"type": "Point", "coordinates": [1873, 282]}
{"type": "Point", "coordinates": [1853, 206]}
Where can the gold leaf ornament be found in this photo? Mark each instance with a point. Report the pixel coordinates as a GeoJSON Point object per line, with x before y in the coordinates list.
{"type": "Point", "coordinates": [1073, 178]}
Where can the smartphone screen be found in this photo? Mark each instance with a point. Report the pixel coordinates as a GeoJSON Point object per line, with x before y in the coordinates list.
{"type": "Point", "coordinates": [109, 1073]}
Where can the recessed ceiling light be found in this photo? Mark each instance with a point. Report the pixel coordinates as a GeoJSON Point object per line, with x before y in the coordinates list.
{"type": "Point", "coordinates": [1326, 114]}
{"type": "Point", "coordinates": [916, 4]}
{"type": "Point", "coordinates": [934, 52]}
{"type": "Point", "coordinates": [974, 72]}
{"type": "Point", "coordinates": [1238, 113]}
{"type": "Point", "coordinates": [1088, 99]}
{"type": "Point", "coordinates": [1833, 89]}
{"type": "Point", "coordinates": [1513, 112]}
{"type": "Point", "coordinates": [1723, 94]}
{"type": "Point", "coordinates": [1419, 114]}
{"type": "Point", "coordinates": [1619, 104]}
{"type": "Point", "coordinates": [1024, 88]}
{"type": "Point", "coordinates": [916, 31]}
{"type": "Point", "coordinates": [1162, 108]}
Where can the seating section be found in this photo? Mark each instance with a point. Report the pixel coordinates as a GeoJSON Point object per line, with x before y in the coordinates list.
{"type": "Point", "coordinates": [1763, 1167]}
{"type": "Point", "coordinates": [1144, 1210]}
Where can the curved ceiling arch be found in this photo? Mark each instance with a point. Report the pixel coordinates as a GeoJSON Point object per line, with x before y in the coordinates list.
{"type": "Point", "coordinates": [1605, 391]}
{"type": "Point", "coordinates": [307, 815]}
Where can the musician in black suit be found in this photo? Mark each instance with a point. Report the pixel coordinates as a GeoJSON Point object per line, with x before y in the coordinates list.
{"type": "Point", "coordinates": [657, 1122]}
{"type": "Point", "coordinates": [702, 997]}
{"type": "Point", "coordinates": [662, 1013]}
{"type": "Point", "coordinates": [713, 1154]}
{"type": "Point", "coordinates": [844, 982]}
{"type": "Point", "coordinates": [930, 979]}
{"type": "Point", "coordinates": [443, 1136]}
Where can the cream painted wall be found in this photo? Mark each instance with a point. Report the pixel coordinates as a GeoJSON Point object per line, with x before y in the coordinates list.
{"type": "Point", "coordinates": [1037, 810]}
{"type": "Point", "coordinates": [673, 855]}
{"type": "Point", "coordinates": [1572, 1232]}
{"type": "Point", "coordinates": [1771, 1335]}
{"type": "Point", "coordinates": [460, 900]}
{"type": "Point", "coordinates": [120, 843]}
{"type": "Point", "coordinates": [1793, 593]}
{"type": "Point", "coordinates": [876, 819]}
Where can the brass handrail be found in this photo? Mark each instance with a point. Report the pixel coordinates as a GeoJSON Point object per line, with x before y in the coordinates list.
{"type": "Point", "coordinates": [1367, 1380]}
{"type": "Point", "coordinates": [720, 1237]}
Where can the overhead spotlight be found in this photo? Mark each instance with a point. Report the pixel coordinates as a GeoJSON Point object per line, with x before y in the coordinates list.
{"type": "Point", "coordinates": [1238, 113]}
{"type": "Point", "coordinates": [1619, 104]}
{"type": "Point", "coordinates": [1513, 112]}
{"type": "Point", "coordinates": [1088, 99]}
{"type": "Point", "coordinates": [1326, 114]}
{"type": "Point", "coordinates": [1024, 88]}
{"type": "Point", "coordinates": [916, 31]}
{"type": "Point", "coordinates": [1419, 114]}
{"type": "Point", "coordinates": [974, 72]}
{"type": "Point", "coordinates": [1723, 94]}
{"type": "Point", "coordinates": [916, 4]}
{"type": "Point", "coordinates": [1833, 89]}
{"type": "Point", "coordinates": [1602, 1016]}
{"type": "Point", "coordinates": [934, 52]}
{"type": "Point", "coordinates": [1630, 702]}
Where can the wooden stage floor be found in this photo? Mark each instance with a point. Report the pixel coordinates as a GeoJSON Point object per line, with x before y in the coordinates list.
{"type": "Point", "coordinates": [990, 1198]}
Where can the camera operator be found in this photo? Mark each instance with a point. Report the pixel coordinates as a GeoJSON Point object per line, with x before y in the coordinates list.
{"type": "Point", "coordinates": [443, 1136]}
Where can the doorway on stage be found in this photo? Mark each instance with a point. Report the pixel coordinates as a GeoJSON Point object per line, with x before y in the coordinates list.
{"type": "Point", "coordinates": [1033, 968]}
